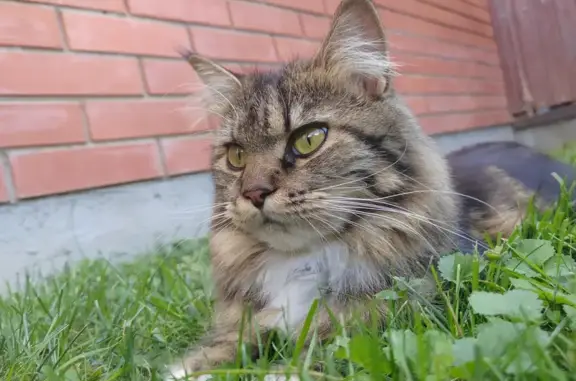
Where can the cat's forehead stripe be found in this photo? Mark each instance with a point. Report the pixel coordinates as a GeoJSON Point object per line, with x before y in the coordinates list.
{"type": "Point", "coordinates": [266, 110]}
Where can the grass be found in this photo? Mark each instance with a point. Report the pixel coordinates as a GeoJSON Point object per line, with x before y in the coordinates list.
{"type": "Point", "coordinates": [509, 315]}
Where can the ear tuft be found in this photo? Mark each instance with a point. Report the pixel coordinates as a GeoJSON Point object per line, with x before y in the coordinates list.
{"type": "Point", "coordinates": [355, 48]}
{"type": "Point", "coordinates": [219, 82]}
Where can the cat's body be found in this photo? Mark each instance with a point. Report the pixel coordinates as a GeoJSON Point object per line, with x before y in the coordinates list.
{"type": "Point", "coordinates": [326, 187]}
{"type": "Point", "coordinates": [499, 180]}
{"type": "Point", "coordinates": [530, 168]}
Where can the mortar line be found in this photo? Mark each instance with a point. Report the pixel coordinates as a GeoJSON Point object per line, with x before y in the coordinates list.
{"type": "Point", "coordinates": [162, 159]}
{"type": "Point", "coordinates": [8, 177]}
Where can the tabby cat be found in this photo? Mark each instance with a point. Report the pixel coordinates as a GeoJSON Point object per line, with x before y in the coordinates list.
{"type": "Point", "coordinates": [326, 188]}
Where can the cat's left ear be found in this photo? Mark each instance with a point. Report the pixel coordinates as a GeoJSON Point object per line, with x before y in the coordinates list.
{"type": "Point", "coordinates": [219, 81]}
{"type": "Point", "coordinates": [355, 49]}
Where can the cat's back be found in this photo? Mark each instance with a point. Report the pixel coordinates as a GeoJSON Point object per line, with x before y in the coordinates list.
{"type": "Point", "coordinates": [496, 181]}
{"type": "Point", "coordinates": [527, 166]}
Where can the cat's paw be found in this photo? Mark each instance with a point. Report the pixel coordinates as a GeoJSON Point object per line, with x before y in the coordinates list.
{"type": "Point", "coordinates": [279, 377]}
{"type": "Point", "coordinates": [180, 374]}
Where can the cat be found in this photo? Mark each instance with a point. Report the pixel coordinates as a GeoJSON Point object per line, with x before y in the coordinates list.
{"type": "Point", "coordinates": [325, 188]}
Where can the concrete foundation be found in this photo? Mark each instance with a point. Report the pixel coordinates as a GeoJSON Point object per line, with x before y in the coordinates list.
{"type": "Point", "coordinates": [42, 235]}
{"type": "Point", "coordinates": [546, 138]}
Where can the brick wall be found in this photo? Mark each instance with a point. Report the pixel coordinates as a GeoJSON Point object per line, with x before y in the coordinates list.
{"type": "Point", "coordinates": [92, 92]}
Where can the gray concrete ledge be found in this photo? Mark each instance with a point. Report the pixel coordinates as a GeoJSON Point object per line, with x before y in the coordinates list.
{"type": "Point", "coordinates": [452, 142]}
{"type": "Point", "coordinates": [548, 137]}
{"type": "Point", "coordinates": [544, 137]}
{"type": "Point", "coordinates": [42, 235]}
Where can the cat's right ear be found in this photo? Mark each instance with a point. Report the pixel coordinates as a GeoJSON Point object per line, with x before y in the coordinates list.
{"type": "Point", "coordinates": [219, 81]}
{"type": "Point", "coordinates": [355, 48]}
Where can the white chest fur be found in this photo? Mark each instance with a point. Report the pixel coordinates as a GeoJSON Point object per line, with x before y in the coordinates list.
{"type": "Point", "coordinates": [292, 283]}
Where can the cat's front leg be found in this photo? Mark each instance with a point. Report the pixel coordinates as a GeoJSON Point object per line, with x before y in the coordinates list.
{"type": "Point", "coordinates": [215, 349]}
{"type": "Point", "coordinates": [221, 344]}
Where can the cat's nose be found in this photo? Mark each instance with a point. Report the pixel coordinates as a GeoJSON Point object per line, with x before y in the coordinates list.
{"type": "Point", "coordinates": [258, 194]}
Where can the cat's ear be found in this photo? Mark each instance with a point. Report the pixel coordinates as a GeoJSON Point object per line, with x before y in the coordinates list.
{"type": "Point", "coordinates": [218, 80]}
{"type": "Point", "coordinates": [355, 47]}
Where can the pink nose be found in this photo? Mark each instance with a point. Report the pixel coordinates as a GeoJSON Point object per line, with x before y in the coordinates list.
{"type": "Point", "coordinates": [257, 195]}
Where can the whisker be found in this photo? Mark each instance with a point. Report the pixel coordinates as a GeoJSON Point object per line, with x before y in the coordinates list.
{"type": "Point", "coordinates": [384, 206]}
{"type": "Point", "coordinates": [441, 192]}
{"type": "Point", "coordinates": [199, 209]}
{"type": "Point", "coordinates": [393, 208]}
{"type": "Point", "coordinates": [211, 88]}
{"type": "Point", "coordinates": [220, 225]}
{"type": "Point", "coordinates": [387, 218]}
{"type": "Point", "coordinates": [362, 227]}
{"type": "Point", "coordinates": [195, 210]}
{"type": "Point", "coordinates": [325, 222]}
{"type": "Point", "coordinates": [436, 223]}
{"type": "Point", "coordinates": [217, 231]}
{"type": "Point", "coordinates": [205, 109]}
{"type": "Point", "coordinates": [315, 229]}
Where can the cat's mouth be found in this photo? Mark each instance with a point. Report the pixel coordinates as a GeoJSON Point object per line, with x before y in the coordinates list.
{"type": "Point", "coordinates": [271, 216]}
{"type": "Point", "coordinates": [256, 219]}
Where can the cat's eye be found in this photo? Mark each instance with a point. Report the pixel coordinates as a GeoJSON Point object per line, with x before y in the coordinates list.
{"type": "Point", "coordinates": [309, 139]}
{"type": "Point", "coordinates": [236, 157]}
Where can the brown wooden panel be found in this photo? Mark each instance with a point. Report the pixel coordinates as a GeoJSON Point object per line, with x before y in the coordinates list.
{"type": "Point", "coordinates": [502, 16]}
{"type": "Point", "coordinates": [536, 41]}
{"type": "Point", "coordinates": [566, 12]}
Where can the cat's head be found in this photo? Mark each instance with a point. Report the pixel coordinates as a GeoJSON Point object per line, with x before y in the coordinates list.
{"type": "Point", "coordinates": [301, 150]}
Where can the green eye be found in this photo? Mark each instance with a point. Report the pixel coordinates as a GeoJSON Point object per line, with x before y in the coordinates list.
{"type": "Point", "coordinates": [309, 140]}
{"type": "Point", "coordinates": [236, 157]}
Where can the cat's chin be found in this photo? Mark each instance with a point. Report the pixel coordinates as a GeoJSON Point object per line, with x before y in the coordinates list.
{"type": "Point", "coordinates": [290, 239]}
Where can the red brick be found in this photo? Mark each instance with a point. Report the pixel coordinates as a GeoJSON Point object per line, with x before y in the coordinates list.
{"type": "Point", "coordinates": [186, 155]}
{"type": "Point", "coordinates": [213, 12]}
{"type": "Point", "coordinates": [463, 9]}
{"type": "Point", "coordinates": [102, 33]}
{"type": "Point", "coordinates": [315, 26]}
{"type": "Point", "coordinates": [402, 42]}
{"type": "Point", "coordinates": [463, 103]}
{"type": "Point", "coordinates": [435, 14]}
{"type": "Point", "coordinates": [30, 124]}
{"type": "Point", "coordinates": [3, 186]}
{"type": "Point", "coordinates": [444, 104]}
{"type": "Point", "coordinates": [411, 64]}
{"type": "Point", "coordinates": [305, 5]}
{"type": "Point", "coordinates": [437, 85]}
{"type": "Point", "coordinates": [169, 77]}
{"type": "Point", "coordinates": [331, 5]}
{"type": "Point", "coordinates": [265, 18]}
{"type": "Point", "coordinates": [445, 123]}
{"type": "Point", "coordinates": [28, 25]}
{"type": "Point", "coordinates": [417, 104]}
{"type": "Point", "coordinates": [104, 5]}
{"type": "Point", "coordinates": [67, 74]}
{"type": "Point", "coordinates": [479, 3]}
{"type": "Point", "coordinates": [64, 170]}
{"type": "Point", "coordinates": [292, 48]}
{"type": "Point", "coordinates": [230, 45]}
{"type": "Point", "coordinates": [110, 120]}
{"type": "Point", "coordinates": [400, 22]}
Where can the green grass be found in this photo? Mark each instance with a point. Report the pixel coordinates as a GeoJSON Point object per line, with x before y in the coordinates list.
{"type": "Point", "coordinates": [511, 315]}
